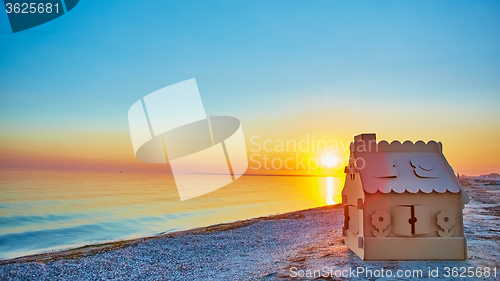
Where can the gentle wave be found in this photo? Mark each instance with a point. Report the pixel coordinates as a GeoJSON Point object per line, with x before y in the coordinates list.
{"type": "Point", "coordinates": [42, 211]}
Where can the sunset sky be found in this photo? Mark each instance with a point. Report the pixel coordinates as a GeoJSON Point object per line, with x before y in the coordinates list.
{"type": "Point", "coordinates": [288, 70]}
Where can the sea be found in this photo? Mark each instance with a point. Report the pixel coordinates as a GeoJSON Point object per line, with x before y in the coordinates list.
{"type": "Point", "coordinates": [50, 210]}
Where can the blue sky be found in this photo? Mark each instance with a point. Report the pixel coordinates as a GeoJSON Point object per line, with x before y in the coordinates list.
{"type": "Point", "coordinates": [253, 60]}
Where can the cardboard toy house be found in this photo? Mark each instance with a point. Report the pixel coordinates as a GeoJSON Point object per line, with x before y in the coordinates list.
{"type": "Point", "coordinates": [402, 202]}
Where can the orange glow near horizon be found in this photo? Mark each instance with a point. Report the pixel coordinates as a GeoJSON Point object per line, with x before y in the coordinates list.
{"type": "Point", "coordinates": [473, 154]}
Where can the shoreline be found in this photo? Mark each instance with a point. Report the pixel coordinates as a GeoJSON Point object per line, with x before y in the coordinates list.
{"type": "Point", "coordinates": [109, 246]}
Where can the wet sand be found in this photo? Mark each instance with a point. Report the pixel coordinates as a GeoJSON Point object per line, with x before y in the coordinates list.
{"type": "Point", "coordinates": [266, 248]}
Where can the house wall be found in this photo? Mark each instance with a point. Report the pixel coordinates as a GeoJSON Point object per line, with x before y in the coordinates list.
{"type": "Point", "coordinates": [434, 202]}
{"type": "Point", "coordinates": [352, 239]}
{"type": "Point", "coordinates": [353, 190]}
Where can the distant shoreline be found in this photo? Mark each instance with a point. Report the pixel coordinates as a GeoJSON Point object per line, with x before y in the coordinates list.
{"type": "Point", "coordinates": [273, 175]}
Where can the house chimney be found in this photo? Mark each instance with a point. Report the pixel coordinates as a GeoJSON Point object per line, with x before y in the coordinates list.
{"type": "Point", "coordinates": [365, 137]}
{"type": "Point", "coordinates": [365, 143]}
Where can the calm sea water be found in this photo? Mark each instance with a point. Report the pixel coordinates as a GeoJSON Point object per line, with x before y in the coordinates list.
{"type": "Point", "coordinates": [46, 210]}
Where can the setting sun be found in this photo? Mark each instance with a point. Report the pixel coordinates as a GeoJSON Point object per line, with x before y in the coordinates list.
{"type": "Point", "coordinates": [330, 161]}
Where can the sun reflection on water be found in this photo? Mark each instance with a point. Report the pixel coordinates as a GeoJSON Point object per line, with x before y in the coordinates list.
{"type": "Point", "coordinates": [329, 195]}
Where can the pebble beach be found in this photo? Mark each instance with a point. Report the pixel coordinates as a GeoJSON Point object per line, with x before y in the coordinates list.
{"type": "Point", "coordinates": [267, 248]}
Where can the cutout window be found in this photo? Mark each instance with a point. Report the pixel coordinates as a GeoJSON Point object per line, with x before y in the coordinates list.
{"type": "Point", "coordinates": [353, 219]}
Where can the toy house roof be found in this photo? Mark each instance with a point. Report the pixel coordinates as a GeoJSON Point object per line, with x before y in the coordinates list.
{"type": "Point", "coordinates": [403, 167]}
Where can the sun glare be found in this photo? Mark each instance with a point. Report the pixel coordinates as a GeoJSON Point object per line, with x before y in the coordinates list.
{"type": "Point", "coordinates": [330, 161]}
